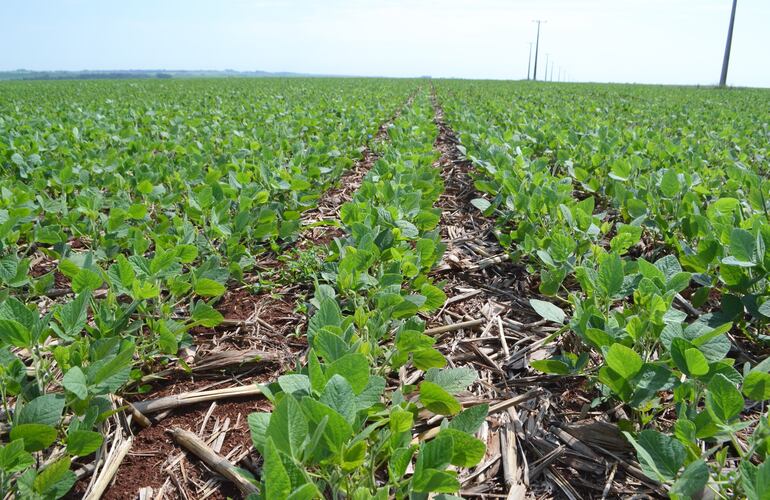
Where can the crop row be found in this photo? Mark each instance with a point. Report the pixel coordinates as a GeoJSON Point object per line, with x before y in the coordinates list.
{"type": "Point", "coordinates": [126, 210]}
{"type": "Point", "coordinates": [627, 203]}
{"type": "Point", "coordinates": [341, 425]}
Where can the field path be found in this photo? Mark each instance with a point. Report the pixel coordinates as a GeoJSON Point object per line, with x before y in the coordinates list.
{"type": "Point", "coordinates": [476, 319]}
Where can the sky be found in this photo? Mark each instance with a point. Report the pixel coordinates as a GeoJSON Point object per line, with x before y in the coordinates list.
{"type": "Point", "coordinates": [643, 41]}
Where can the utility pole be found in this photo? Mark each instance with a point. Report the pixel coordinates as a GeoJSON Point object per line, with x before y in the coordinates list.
{"type": "Point", "coordinates": [545, 76]}
{"type": "Point", "coordinates": [537, 46]}
{"type": "Point", "coordinates": [529, 64]}
{"type": "Point", "coordinates": [726, 60]}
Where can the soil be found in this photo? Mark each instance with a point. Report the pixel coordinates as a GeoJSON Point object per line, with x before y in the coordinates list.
{"type": "Point", "coordinates": [153, 448]}
{"type": "Point", "coordinates": [45, 265]}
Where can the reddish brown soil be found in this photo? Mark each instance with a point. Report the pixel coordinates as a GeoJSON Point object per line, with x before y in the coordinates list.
{"type": "Point", "coordinates": [144, 466]}
{"type": "Point", "coordinates": [46, 265]}
{"type": "Point", "coordinates": [241, 304]}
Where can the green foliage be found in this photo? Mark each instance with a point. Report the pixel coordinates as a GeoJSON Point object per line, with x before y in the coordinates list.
{"type": "Point", "coordinates": [333, 420]}
{"type": "Point", "coordinates": [621, 207]}
{"type": "Point", "coordinates": [153, 198]}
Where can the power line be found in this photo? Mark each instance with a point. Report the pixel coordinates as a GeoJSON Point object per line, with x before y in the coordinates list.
{"type": "Point", "coordinates": [537, 45]}
{"type": "Point", "coordinates": [726, 59]}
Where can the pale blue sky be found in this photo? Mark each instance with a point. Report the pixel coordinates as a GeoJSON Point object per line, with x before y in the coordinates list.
{"type": "Point", "coordinates": [651, 41]}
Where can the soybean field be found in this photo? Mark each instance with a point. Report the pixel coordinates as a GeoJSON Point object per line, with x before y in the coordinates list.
{"type": "Point", "coordinates": [382, 288]}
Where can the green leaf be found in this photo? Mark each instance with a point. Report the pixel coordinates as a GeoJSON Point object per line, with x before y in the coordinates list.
{"type": "Point", "coordinates": [336, 431]}
{"type": "Point", "coordinates": [315, 372]}
{"type": "Point", "coordinates": [354, 456]}
{"type": "Point", "coordinates": [86, 279]}
{"type": "Point", "coordinates": [619, 385]}
{"type": "Point", "coordinates": [399, 462]}
{"type": "Point", "coordinates": [669, 183]}
{"type": "Point", "coordinates": [36, 436]}
{"type": "Point", "coordinates": [742, 245]}
{"type": "Point", "coordinates": [405, 309]}
{"type": "Point", "coordinates": [162, 261]}
{"type": "Point", "coordinates": [470, 419]}
{"type": "Point", "coordinates": [692, 480]}
{"type": "Point", "coordinates": [13, 458]}
{"type": "Point", "coordinates": [722, 207]}
{"type": "Point", "coordinates": [258, 423]}
{"type": "Point", "coordinates": [401, 420]}
{"type": "Point", "coordinates": [764, 309]}
{"type": "Point", "coordinates": [551, 280]}
{"type": "Point", "coordinates": [467, 450]}
{"type": "Point", "coordinates": [82, 443]}
{"type": "Point", "coordinates": [167, 342]}
{"type": "Point", "coordinates": [428, 358]}
{"type": "Point", "coordinates": [338, 395]}
{"type": "Point", "coordinates": [649, 382]}
{"type": "Point", "coordinates": [660, 456]}
{"type": "Point", "coordinates": [623, 360]}
{"type": "Point", "coordinates": [354, 368]}
{"type": "Point", "coordinates": [109, 374]}
{"type": "Point", "coordinates": [723, 400]}
{"type": "Point", "coordinates": [408, 230]}
{"type": "Point", "coordinates": [733, 261]}
{"type": "Point", "coordinates": [432, 457]}
{"type": "Point", "coordinates": [75, 382]}
{"type": "Point", "coordinates": [208, 288]}
{"type": "Point", "coordinates": [8, 267]}
{"type": "Point", "coordinates": [295, 384]}
{"type": "Point", "coordinates": [437, 400]}
{"type": "Point", "coordinates": [452, 380]}
{"type": "Point", "coordinates": [275, 478]}
{"type": "Point", "coordinates": [436, 481]}
{"type": "Point", "coordinates": [73, 315]}
{"type": "Point", "coordinates": [206, 315]}
{"type": "Point", "coordinates": [372, 393]}
{"type": "Point", "coordinates": [329, 345]}
{"type": "Point", "coordinates": [550, 366]}
{"type": "Point", "coordinates": [186, 253]}
{"type": "Point", "coordinates": [435, 454]}
{"type": "Point", "coordinates": [696, 362]}
{"type": "Point", "coordinates": [13, 309]}
{"type": "Point", "coordinates": [548, 311]}
{"type": "Point", "coordinates": [481, 203]}
{"type": "Point", "coordinates": [46, 409]}
{"type": "Point", "coordinates": [756, 386]}
{"type": "Point", "coordinates": [755, 480]}
{"type": "Point", "coordinates": [14, 333]}
{"type": "Point", "coordinates": [435, 297]}
{"type": "Point", "coordinates": [55, 480]}
{"type": "Point", "coordinates": [307, 491]}
{"type": "Point", "coordinates": [288, 427]}
{"type": "Point", "coordinates": [610, 275]}
{"type": "Point", "coordinates": [328, 314]}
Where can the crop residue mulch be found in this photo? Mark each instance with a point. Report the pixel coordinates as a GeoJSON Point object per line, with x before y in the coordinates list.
{"type": "Point", "coordinates": [547, 439]}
